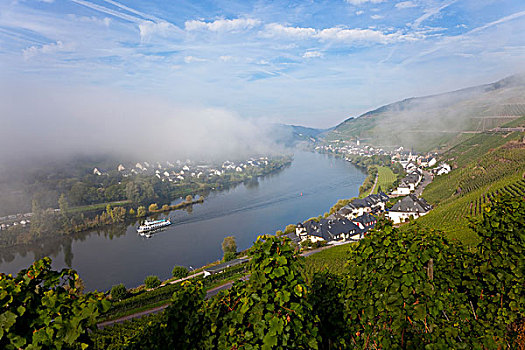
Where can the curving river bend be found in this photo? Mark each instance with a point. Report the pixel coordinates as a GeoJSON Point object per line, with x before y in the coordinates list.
{"type": "Point", "coordinates": [309, 187]}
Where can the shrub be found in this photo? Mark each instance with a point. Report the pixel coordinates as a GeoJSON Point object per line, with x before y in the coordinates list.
{"type": "Point", "coordinates": [229, 256]}
{"type": "Point", "coordinates": [118, 292]}
{"type": "Point", "coordinates": [152, 282]}
{"type": "Point", "coordinates": [179, 272]}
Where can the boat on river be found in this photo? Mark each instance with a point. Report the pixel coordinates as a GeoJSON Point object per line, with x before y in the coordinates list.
{"type": "Point", "coordinates": [149, 226]}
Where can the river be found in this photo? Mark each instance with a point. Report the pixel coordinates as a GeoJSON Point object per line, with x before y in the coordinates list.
{"type": "Point", "coordinates": [103, 258]}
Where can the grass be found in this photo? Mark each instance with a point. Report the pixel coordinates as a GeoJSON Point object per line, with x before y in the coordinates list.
{"type": "Point", "coordinates": [386, 178]}
{"type": "Point", "coordinates": [99, 206]}
{"type": "Point", "coordinates": [332, 259]}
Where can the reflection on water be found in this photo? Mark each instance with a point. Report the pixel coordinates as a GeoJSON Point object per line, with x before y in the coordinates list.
{"type": "Point", "coordinates": [114, 254]}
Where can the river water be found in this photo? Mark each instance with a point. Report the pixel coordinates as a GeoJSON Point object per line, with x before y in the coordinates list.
{"type": "Point", "coordinates": [103, 258]}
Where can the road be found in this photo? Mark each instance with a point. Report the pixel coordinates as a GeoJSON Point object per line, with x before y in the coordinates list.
{"type": "Point", "coordinates": [209, 294]}
{"type": "Point", "coordinates": [427, 178]}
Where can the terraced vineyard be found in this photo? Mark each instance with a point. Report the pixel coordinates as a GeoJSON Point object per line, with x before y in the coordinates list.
{"type": "Point", "coordinates": [461, 194]}
{"type": "Point", "coordinates": [386, 178]}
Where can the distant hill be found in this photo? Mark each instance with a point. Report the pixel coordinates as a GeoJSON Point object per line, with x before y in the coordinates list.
{"type": "Point", "coordinates": [291, 135]}
{"type": "Point", "coordinates": [437, 121]}
{"type": "Point", "coordinates": [484, 165]}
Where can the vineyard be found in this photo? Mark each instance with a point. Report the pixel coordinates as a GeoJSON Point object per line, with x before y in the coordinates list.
{"type": "Point", "coordinates": [462, 194]}
{"type": "Point", "coordinates": [386, 178]}
{"type": "Point", "coordinates": [332, 260]}
{"type": "Point", "coordinates": [515, 109]}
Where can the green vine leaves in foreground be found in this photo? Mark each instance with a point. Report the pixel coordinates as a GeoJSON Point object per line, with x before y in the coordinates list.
{"type": "Point", "coordinates": [41, 309]}
{"type": "Point", "coordinates": [498, 284]}
{"type": "Point", "coordinates": [403, 290]}
{"type": "Point", "coordinates": [271, 310]}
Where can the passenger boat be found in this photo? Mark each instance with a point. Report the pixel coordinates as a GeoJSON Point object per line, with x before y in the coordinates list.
{"type": "Point", "coordinates": [153, 225]}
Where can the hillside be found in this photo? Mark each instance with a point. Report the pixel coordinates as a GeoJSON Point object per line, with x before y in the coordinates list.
{"type": "Point", "coordinates": [292, 135]}
{"type": "Point", "coordinates": [485, 165]}
{"type": "Point", "coordinates": [438, 121]}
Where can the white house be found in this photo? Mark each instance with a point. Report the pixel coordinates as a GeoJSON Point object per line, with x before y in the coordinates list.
{"type": "Point", "coordinates": [408, 207]}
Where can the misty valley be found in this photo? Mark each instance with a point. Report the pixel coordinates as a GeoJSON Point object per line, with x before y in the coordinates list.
{"type": "Point", "coordinates": [291, 192]}
{"type": "Point", "coordinates": [262, 175]}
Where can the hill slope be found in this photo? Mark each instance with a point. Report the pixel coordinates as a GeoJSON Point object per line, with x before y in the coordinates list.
{"type": "Point", "coordinates": [485, 165]}
{"type": "Point", "coordinates": [426, 123]}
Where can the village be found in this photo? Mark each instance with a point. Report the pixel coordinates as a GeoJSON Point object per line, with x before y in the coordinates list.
{"type": "Point", "coordinates": [359, 216]}
{"type": "Point", "coordinates": [179, 171]}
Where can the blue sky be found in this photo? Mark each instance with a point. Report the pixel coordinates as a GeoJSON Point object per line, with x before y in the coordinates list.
{"type": "Point", "coordinates": [313, 63]}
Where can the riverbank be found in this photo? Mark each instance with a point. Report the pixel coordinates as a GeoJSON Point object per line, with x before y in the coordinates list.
{"type": "Point", "coordinates": [195, 236]}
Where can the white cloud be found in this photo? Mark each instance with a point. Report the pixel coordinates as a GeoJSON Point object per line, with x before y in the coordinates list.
{"type": "Point", "coordinates": [312, 54]}
{"type": "Point", "coordinates": [227, 58]}
{"type": "Point", "coordinates": [149, 28]}
{"type": "Point", "coordinates": [360, 12]}
{"type": "Point", "coordinates": [105, 21]}
{"type": "Point", "coordinates": [405, 4]}
{"type": "Point", "coordinates": [431, 12]}
{"type": "Point", "coordinates": [377, 16]}
{"type": "Point", "coordinates": [192, 59]}
{"type": "Point", "coordinates": [276, 29]}
{"type": "Point", "coordinates": [361, 35]}
{"type": "Point", "coordinates": [337, 34]}
{"type": "Point", "coordinates": [361, 2]}
{"type": "Point", "coordinates": [223, 25]}
{"type": "Point", "coordinates": [45, 49]}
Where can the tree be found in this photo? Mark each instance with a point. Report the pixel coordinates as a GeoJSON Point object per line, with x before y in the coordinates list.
{"type": "Point", "coordinates": [41, 308]}
{"type": "Point", "coordinates": [63, 205]}
{"type": "Point", "coordinates": [179, 272]}
{"type": "Point", "coordinates": [153, 207]}
{"type": "Point", "coordinates": [229, 246]}
{"type": "Point", "coordinates": [118, 292]}
{"type": "Point", "coordinates": [141, 211]}
{"type": "Point", "coordinates": [152, 282]}
{"type": "Point", "coordinates": [289, 229]}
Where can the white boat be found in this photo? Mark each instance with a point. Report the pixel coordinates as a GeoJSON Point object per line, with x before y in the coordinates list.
{"type": "Point", "coordinates": [153, 225]}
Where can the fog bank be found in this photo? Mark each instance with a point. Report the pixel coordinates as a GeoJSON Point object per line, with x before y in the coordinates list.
{"type": "Point", "coordinates": [46, 122]}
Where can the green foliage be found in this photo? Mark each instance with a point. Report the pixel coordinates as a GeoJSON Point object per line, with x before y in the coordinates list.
{"type": "Point", "coordinates": [399, 285]}
{"type": "Point", "coordinates": [271, 310]}
{"type": "Point", "coordinates": [42, 309]}
{"type": "Point", "coordinates": [331, 260]}
{"type": "Point", "coordinates": [229, 245]}
{"type": "Point", "coordinates": [180, 327]}
{"type": "Point", "coordinates": [228, 256]}
{"type": "Point", "coordinates": [179, 272]}
{"type": "Point", "coordinates": [498, 270]}
{"type": "Point", "coordinates": [464, 191]}
{"type": "Point", "coordinates": [119, 335]}
{"type": "Point", "coordinates": [152, 282]}
{"type": "Point", "coordinates": [385, 179]}
{"type": "Point", "coordinates": [289, 229]}
{"type": "Point", "coordinates": [326, 297]}
{"type": "Point", "coordinates": [119, 292]}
